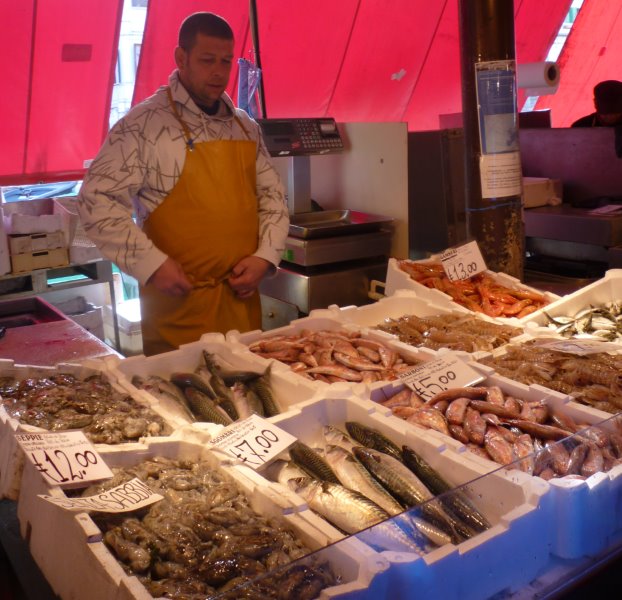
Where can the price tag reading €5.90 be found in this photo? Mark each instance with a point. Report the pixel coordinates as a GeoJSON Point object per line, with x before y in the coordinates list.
{"type": "Point", "coordinates": [463, 262]}
{"type": "Point", "coordinates": [435, 376]}
{"type": "Point", "coordinates": [64, 458]}
{"type": "Point", "coordinates": [254, 440]}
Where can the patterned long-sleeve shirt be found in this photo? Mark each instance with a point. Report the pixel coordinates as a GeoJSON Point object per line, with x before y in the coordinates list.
{"type": "Point", "coordinates": [141, 161]}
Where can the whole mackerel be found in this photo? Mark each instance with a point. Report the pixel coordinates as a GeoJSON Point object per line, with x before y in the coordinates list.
{"type": "Point", "coordinates": [205, 408]}
{"type": "Point", "coordinates": [311, 462]}
{"type": "Point", "coordinates": [372, 438]}
{"type": "Point", "coordinates": [165, 391]}
{"type": "Point", "coordinates": [455, 500]}
{"type": "Point", "coordinates": [262, 387]}
{"type": "Point", "coordinates": [224, 395]}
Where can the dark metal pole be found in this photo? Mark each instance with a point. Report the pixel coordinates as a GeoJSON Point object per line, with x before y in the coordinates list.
{"type": "Point", "coordinates": [493, 175]}
{"type": "Point", "coordinates": [254, 25]}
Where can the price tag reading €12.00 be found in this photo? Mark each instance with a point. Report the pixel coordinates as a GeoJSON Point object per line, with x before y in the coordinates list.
{"type": "Point", "coordinates": [64, 458]}
{"type": "Point", "coordinates": [253, 440]}
{"type": "Point", "coordinates": [463, 262]}
{"type": "Point", "coordinates": [435, 376]}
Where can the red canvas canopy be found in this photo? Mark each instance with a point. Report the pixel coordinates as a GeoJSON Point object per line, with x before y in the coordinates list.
{"type": "Point", "coordinates": [355, 60]}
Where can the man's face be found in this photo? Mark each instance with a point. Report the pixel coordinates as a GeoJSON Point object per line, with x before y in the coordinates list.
{"type": "Point", "coordinates": [205, 69]}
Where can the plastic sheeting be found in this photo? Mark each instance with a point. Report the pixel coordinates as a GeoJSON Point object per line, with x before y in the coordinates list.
{"type": "Point", "coordinates": [57, 59]}
{"type": "Point", "coordinates": [592, 53]}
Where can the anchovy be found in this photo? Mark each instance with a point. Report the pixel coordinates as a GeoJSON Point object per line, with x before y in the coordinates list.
{"type": "Point", "coordinates": [353, 513]}
{"type": "Point", "coordinates": [455, 500]}
{"type": "Point", "coordinates": [372, 438]}
{"type": "Point", "coordinates": [205, 408]}
{"type": "Point", "coordinates": [311, 462]}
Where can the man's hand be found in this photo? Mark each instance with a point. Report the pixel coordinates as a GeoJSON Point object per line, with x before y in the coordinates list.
{"type": "Point", "coordinates": [247, 274]}
{"type": "Point", "coordinates": [169, 278]}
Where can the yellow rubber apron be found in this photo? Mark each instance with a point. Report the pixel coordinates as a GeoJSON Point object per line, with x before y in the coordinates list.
{"type": "Point", "coordinates": [207, 223]}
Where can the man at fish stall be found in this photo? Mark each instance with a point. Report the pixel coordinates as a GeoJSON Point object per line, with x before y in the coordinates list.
{"type": "Point", "coordinates": [211, 218]}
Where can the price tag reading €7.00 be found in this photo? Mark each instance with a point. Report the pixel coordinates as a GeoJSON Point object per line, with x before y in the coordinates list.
{"type": "Point", "coordinates": [64, 458]}
{"type": "Point", "coordinates": [254, 440]}
{"type": "Point", "coordinates": [463, 262]}
{"type": "Point", "coordinates": [435, 376]}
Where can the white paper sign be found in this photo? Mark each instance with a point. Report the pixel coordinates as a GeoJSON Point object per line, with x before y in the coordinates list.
{"type": "Point", "coordinates": [254, 441]}
{"type": "Point", "coordinates": [64, 458]}
{"type": "Point", "coordinates": [463, 262]}
{"type": "Point", "coordinates": [131, 495]}
{"type": "Point", "coordinates": [581, 347]}
{"type": "Point", "coordinates": [607, 209]}
{"type": "Point", "coordinates": [430, 378]}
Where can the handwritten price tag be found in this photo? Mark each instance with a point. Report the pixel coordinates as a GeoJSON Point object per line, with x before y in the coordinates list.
{"type": "Point", "coordinates": [254, 441]}
{"type": "Point", "coordinates": [463, 262]}
{"type": "Point", "coordinates": [430, 378]}
{"type": "Point", "coordinates": [64, 458]}
{"type": "Point", "coordinates": [581, 347]}
{"type": "Point", "coordinates": [128, 496]}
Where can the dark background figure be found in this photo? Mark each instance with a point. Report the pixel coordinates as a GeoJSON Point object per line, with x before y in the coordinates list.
{"type": "Point", "coordinates": [608, 104]}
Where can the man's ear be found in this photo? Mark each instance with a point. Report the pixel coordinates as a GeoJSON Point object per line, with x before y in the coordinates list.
{"type": "Point", "coordinates": [180, 57]}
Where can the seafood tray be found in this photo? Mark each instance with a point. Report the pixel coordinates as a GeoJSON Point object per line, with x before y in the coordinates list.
{"type": "Point", "coordinates": [323, 326]}
{"type": "Point", "coordinates": [514, 506]}
{"type": "Point", "coordinates": [568, 311]}
{"type": "Point", "coordinates": [97, 574]}
{"type": "Point", "coordinates": [586, 511]}
{"type": "Point", "coordinates": [406, 302]}
{"type": "Point", "coordinates": [285, 386]}
{"type": "Point", "coordinates": [11, 456]}
{"type": "Point", "coordinates": [399, 279]}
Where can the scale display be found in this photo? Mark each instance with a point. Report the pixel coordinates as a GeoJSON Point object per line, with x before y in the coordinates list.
{"type": "Point", "coordinates": [301, 137]}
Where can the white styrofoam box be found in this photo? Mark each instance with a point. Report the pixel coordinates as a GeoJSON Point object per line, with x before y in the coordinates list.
{"type": "Point", "coordinates": [603, 291]}
{"type": "Point", "coordinates": [96, 574]}
{"type": "Point", "coordinates": [540, 191]}
{"type": "Point", "coordinates": [34, 242]}
{"type": "Point", "coordinates": [332, 323]}
{"type": "Point", "coordinates": [399, 279]}
{"type": "Point", "coordinates": [11, 455]}
{"type": "Point", "coordinates": [515, 506]}
{"type": "Point", "coordinates": [570, 496]}
{"type": "Point", "coordinates": [287, 388]}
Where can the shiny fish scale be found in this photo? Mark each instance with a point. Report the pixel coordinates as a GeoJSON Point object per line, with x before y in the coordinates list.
{"type": "Point", "coordinates": [205, 535]}
{"type": "Point", "coordinates": [594, 322]}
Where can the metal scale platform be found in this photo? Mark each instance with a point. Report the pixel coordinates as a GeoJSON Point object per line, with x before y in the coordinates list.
{"type": "Point", "coordinates": [330, 256]}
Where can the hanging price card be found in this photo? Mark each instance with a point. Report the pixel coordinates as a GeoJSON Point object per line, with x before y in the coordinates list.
{"type": "Point", "coordinates": [463, 262]}
{"type": "Point", "coordinates": [581, 347]}
{"type": "Point", "coordinates": [64, 458]}
{"type": "Point", "coordinates": [430, 378]}
{"type": "Point", "coordinates": [254, 440]}
{"type": "Point", "coordinates": [130, 495]}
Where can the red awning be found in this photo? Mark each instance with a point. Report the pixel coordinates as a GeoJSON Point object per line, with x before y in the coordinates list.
{"type": "Point", "coordinates": [592, 53]}
{"type": "Point", "coordinates": [58, 61]}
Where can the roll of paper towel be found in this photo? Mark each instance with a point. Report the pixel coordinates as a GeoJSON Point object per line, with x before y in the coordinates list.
{"type": "Point", "coordinates": [538, 78]}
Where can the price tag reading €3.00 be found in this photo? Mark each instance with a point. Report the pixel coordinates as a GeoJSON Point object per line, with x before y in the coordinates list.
{"type": "Point", "coordinates": [64, 458]}
{"type": "Point", "coordinates": [463, 262]}
{"type": "Point", "coordinates": [435, 376]}
{"type": "Point", "coordinates": [253, 440]}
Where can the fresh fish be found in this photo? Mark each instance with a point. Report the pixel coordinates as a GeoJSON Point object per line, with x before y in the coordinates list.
{"type": "Point", "coordinates": [352, 512]}
{"type": "Point", "coordinates": [164, 390]}
{"type": "Point", "coordinates": [407, 488]}
{"type": "Point", "coordinates": [222, 394]}
{"type": "Point", "coordinates": [261, 386]}
{"type": "Point", "coordinates": [310, 461]}
{"type": "Point", "coordinates": [336, 437]}
{"type": "Point", "coordinates": [240, 401]}
{"type": "Point", "coordinates": [372, 438]}
{"type": "Point", "coordinates": [434, 534]}
{"type": "Point", "coordinates": [186, 379]}
{"type": "Point", "coordinates": [232, 377]}
{"type": "Point", "coordinates": [284, 470]}
{"type": "Point", "coordinates": [453, 499]}
{"type": "Point", "coordinates": [251, 398]}
{"type": "Point", "coordinates": [353, 475]}
{"type": "Point", "coordinates": [205, 408]}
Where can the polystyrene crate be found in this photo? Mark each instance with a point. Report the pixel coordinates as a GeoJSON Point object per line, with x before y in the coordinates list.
{"type": "Point", "coordinates": [605, 290]}
{"type": "Point", "coordinates": [95, 573]}
{"type": "Point", "coordinates": [332, 323]}
{"type": "Point", "coordinates": [11, 455]}
{"type": "Point", "coordinates": [398, 279]}
{"type": "Point", "coordinates": [593, 498]}
{"type": "Point", "coordinates": [287, 388]}
{"type": "Point", "coordinates": [515, 507]}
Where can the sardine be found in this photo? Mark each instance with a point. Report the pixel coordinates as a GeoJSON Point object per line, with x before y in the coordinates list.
{"type": "Point", "coordinates": [352, 513]}
{"type": "Point", "coordinates": [311, 462]}
{"type": "Point", "coordinates": [372, 438]}
{"type": "Point", "coordinates": [453, 499]}
{"type": "Point", "coordinates": [355, 476]}
{"type": "Point", "coordinates": [205, 408]}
